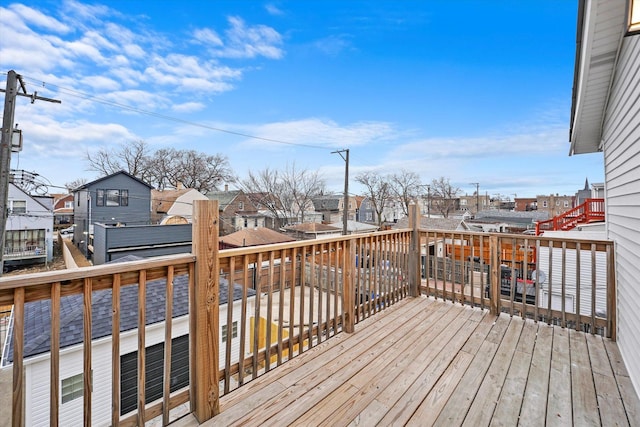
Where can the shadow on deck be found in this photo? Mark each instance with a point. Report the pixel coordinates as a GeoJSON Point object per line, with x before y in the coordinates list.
{"type": "Point", "coordinates": [430, 362]}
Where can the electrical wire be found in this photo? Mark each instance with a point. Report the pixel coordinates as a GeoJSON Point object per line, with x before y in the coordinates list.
{"type": "Point", "coordinates": [83, 95]}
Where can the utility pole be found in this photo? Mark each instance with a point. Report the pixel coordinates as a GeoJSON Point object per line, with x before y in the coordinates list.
{"type": "Point", "coordinates": [345, 209]}
{"type": "Point", "coordinates": [11, 92]}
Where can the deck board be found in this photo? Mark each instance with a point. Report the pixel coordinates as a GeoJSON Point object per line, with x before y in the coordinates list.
{"type": "Point", "coordinates": [429, 362]}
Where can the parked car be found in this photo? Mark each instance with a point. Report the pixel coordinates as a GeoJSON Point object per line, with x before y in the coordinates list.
{"type": "Point", "coordinates": [67, 231]}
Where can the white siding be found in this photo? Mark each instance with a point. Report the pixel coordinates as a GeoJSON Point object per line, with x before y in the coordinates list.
{"type": "Point", "coordinates": [570, 273]}
{"type": "Point", "coordinates": [621, 135]}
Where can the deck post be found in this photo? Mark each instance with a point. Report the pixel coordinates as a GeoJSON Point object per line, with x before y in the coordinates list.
{"type": "Point", "coordinates": [415, 274]}
{"type": "Point", "coordinates": [203, 306]}
{"type": "Point", "coordinates": [349, 290]}
{"type": "Point", "coordinates": [494, 294]}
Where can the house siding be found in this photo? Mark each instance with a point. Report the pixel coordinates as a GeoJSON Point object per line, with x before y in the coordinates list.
{"type": "Point", "coordinates": [621, 136]}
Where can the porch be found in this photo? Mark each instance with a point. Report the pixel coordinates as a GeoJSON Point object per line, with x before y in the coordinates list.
{"type": "Point", "coordinates": [433, 362]}
{"type": "Point", "coordinates": [394, 327]}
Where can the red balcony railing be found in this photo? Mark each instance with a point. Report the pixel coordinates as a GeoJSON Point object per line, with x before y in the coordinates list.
{"type": "Point", "coordinates": [592, 210]}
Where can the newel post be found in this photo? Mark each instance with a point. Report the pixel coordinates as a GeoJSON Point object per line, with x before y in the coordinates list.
{"type": "Point", "coordinates": [494, 294]}
{"type": "Point", "coordinates": [349, 286]}
{"type": "Point", "coordinates": [415, 274]}
{"type": "Point", "coordinates": [204, 310]}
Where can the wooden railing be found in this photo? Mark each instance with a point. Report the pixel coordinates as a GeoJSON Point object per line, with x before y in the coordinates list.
{"type": "Point", "coordinates": [592, 210]}
{"type": "Point", "coordinates": [249, 310]}
{"type": "Point", "coordinates": [565, 282]}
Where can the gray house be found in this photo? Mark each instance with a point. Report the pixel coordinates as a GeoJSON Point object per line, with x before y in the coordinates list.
{"type": "Point", "coordinates": [117, 199]}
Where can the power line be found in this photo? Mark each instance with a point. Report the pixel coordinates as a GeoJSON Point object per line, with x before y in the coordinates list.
{"type": "Point", "coordinates": [83, 95]}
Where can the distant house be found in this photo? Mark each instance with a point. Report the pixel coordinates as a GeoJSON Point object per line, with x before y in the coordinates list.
{"type": "Point", "coordinates": [237, 211]}
{"type": "Point", "coordinates": [449, 224]}
{"type": "Point", "coordinates": [62, 210]}
{"type": "Point", "coordinates": [173, 206]}
{"type": "Point", "coordinates": [37, 353]}
{"type": "Point", "coordinates": [119, 198]}
{"type": "Point", "coordinates": [554, 205]}
{"type": "Point", "coordinates": [29, 229]}
{"type": "Point", "coordinates": [332, 207]}
{"type": "Point", "coordinates": [253, 237]}
{"type": "Point", "coordinates": [605, 118]}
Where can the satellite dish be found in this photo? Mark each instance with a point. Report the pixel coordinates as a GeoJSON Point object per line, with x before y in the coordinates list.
{"type": "Point", "coordinates": [538, 276]}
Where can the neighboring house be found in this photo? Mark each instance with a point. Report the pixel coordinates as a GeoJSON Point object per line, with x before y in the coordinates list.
{"type": "Point", "coordinates": [236, 211]}
{"type": "Point", "coordinates": [332, 207]}
{"type": "Point", "coordinates": [554, 205]}
{"type": "Point", "coordinates": [474, 203]}
{"type": "Point", "coordinates": [597, 190]}
{"type": "Point", "coordinates": [253, 237]}
{"type": "Point", "coordinates": [525, 204]}
{"type": "Point", "coordinates": [29, 230]}
{"type": "Point", "coordinates": [62, 210]}
{"type": "Point", "coordinates": [112, 242]}
{"type": "Point", "coordinates": [119, 198]}
{"type": "Point", "coordinates": [174, 206]}
{"type": "Point", "coordinates": [391, 212]}
{"type": "Point", "coordinates": [37, 355]}
{"type": "Point", "coordinates": [605, 117]}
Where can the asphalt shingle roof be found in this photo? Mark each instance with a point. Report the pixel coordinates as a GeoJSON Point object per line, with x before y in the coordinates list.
{"type": "Point", "coordinates": [37, 339]}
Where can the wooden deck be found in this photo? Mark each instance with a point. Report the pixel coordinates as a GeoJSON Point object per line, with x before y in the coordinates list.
{"type": "Point", "coordinates": [425, 362]}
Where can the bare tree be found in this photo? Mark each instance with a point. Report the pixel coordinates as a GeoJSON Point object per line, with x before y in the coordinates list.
{"type": "Point", "coordinates": [378, 191]}
{"type": "Point", "coordinates": [76, 183]}
{"type": "Point", "coordinates": [164, 168]}
{"type": "Point", "coordinates": [444, 196]}
{"type": "Point", "coordinates": [286, 194]}
{"type": "Point", "coordinates": [405, 186]}
{"type": "Point", "coordinates": [131, 158]}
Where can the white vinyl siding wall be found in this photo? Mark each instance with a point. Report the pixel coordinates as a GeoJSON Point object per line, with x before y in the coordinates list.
{"type": "Point", "coordinates": [621, 136]}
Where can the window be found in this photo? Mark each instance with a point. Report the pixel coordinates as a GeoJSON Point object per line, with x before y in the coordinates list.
{"type": "Point", "coordinates": [557, 202]}
{"type": "Point", "coordinates": [544, 203]}
{"type": "Point", "coordinates": [566, 203]}
{"type": "Point", "coordinates": [246, 223]}
{"type": "Point", "coordinates": [255, 222]}
{"type": "Point", "coordinates": [68, 204]}
{"type": "Point", "coordinates": [112, 197]}
{"type": "Point", "coordinates": [18, 206]}
{"type": "Point", "coordinates": [241, 206]}
{"type": "Point", "coordinates": [234, 331]}
{"type": "Point", "coordinates": [73, 387]}
{"type": "Point", "coordinates": [154, 373]}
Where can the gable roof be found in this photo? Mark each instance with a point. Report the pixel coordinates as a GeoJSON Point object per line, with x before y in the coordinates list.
{"type": "Point", "coordinates": [35, 199]}
{"type": "Point", "coordinates": [163, 200]}
{"type": "Point", "coordinates": [327, 203]}
{"type": "Point", "coordinates": [254, 237]}
{"type": "Point", "coordinates": [224, 198]}
{"type": "Point", "coordinates": [88, 184]}
{"type": "Point", "coordinates": [37, 314]}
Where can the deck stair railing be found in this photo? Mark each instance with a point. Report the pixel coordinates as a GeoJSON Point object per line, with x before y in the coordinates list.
{"type": "Point", "coordinates": [592, 210]}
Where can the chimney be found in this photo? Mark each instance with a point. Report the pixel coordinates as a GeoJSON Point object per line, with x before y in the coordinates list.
{"type": "Point", "coordinates": [179, 186]}
{"type": "Point", "coordinates": [226, 187]}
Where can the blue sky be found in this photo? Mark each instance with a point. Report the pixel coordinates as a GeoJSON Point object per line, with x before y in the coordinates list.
{"type": "Point", "coordinates": [475, 91]}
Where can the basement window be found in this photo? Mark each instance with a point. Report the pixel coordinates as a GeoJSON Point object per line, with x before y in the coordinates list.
{"type": "Point", "coordinates": [634, 17]}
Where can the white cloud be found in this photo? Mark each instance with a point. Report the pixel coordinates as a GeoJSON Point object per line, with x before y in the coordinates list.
{"type": "Point", "coordinates": [39, 19]}
{"type": "Point", "coordinates": [272, 9]}
{"type": "Point", "coordinates": [244, 41]}
{"type": "Point", "coordinates": [188, 107]}
{"type": "Point", "coordinates": [207, 37]}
